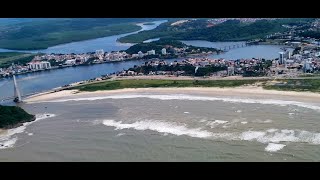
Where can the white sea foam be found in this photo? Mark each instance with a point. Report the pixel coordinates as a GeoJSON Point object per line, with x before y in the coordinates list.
{"type": "Point", "coordinates": [220, 121]}
{"type": "Point", "coordinates": [262, 121]}
{"type": "Point", "coordinates": [270, 136]}
{"type": "Point", "coordinates": [8, 144]}
{"type": "Point", "coordinates": [216, 123]}
{"type": "Point", "coordinates": [120, 134]}
{"type": "Point", "coordinates": [6, 140]}
{"type": "Point", "coordinates": [252, 135]}
{"type": "Point", "coordinates": [276, 136]}
{"type": "Point", "coordinates": [267, 121]}
{"type": "Point", "coordinates": [30, 134]}
{"type": "Point", "coordinates": [272, 147]}
{"type": "Point", "coordinates": [198, 98]}
{"type": "Point", "coordinates": [186, 112]}
{"type": "Point", "coordinates": [238, 111]}
{"type": "Point", "coordinates": [160, 126]}
{"type": "Point", "coordinates": [244, 122]}
{"type": "Point", "coordinates": [272, 130]}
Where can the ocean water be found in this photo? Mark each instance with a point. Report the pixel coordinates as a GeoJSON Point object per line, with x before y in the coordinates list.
{"type": "Point", "coordinates": [168, 127]}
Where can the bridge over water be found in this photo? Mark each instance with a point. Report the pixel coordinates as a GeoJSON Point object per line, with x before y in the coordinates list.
{"type": "Point", "coordinates": [238, 45]}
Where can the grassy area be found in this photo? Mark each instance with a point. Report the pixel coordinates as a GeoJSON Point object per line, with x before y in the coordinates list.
{"type": "Point", "coordinates": [7, 58]}
{"type": "Point", "coordinates": [310, 75]}
{"type": "Point", "coordinates": [311, 85]}
{"type": "Point", "coordinates": [146, 83]}
{"type": "Point", "coordinates": [13, 116]}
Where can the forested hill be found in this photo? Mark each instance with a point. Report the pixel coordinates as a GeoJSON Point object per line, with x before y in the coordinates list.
{"type": "Point", "coordinates": [13, 116]}
{"type": "Point", "coordinates": [200, 29]}
{"type": "Point", "coordinates": [27, 34]}
{"type": "Point", "coordinates": [164, 43]}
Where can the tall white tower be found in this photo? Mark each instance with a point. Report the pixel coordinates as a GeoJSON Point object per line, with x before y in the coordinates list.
{"type": "Point", "coordinates": [17, 95]}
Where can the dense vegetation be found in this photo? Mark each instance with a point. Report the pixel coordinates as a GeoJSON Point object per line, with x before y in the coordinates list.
{"type": "Point", "coordinates": [311, 34]}
{"type": "Point", "coordinates": [232, 30]}
{"type": "Point", "coordinates": [164, 43]}
{"type": "Point", "coordinates": [44, 33]}
{"type": "Point", "coordinates": [7, 58]}
{"type": "Point", "coordinates": [188, 69]}
{"type": "Point", "coordinates": [146, 83]}
{"type": "Point", "coordinates": [312, 85]}
{"type": "Point", "coordinates": [13, 116]}
{"type": "Point", "coordinates": [155, 45]}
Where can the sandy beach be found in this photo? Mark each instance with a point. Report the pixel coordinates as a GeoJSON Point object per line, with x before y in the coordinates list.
{"type": "Point", "coordinates": [242, 91]}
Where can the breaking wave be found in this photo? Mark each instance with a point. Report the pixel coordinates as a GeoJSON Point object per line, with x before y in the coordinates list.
{"type": "Point", "coordinates": [272, 147]}
{"type": "Point", "coordinates": [160, 126]}
{"type": "Point", "coordinates": [272, 137]}
{"type": "Point", "coordinates": [198, 98]}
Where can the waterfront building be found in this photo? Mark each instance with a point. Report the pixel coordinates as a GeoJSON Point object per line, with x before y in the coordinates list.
{"type": "Point", "coordinates": [70, 62]}
{"type": "Point", "coordinates": [38, 65]}
{"type": "Point", "coordinates": [281, 57]}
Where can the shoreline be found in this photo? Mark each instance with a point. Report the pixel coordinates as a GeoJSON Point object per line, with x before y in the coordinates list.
{"type": "Point", "coordinates": [241, 91]}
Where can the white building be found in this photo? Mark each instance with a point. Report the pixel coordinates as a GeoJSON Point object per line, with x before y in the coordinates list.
{"type": "Point", "coordinates": [140, 54]}
{"type": "Point", "coordinates": [70, 62]}
{"type": "Point", "coordinates": [135, 55]}
{"type": "Point", "coordinates": [100, 54]}
{"type": "Point", "coordinates": [164, 51]}
{"type": "Point", "coordinates": [281, 57]}
{"type": "Point", "coordinates": [230, 71]}
{"type": "Point", "coordinates": [151, 52]}
{"type": "Point", "coordinates": [37, 65]}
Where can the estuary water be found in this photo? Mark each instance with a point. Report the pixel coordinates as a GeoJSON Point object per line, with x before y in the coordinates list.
{"type": "Point", "coordinates": [167, 127]}
{"type": "Point", "coordinates": [46, 80]}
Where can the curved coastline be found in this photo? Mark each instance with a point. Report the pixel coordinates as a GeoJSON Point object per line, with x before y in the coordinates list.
{"type": "Point", "coordinates": [241, 91]}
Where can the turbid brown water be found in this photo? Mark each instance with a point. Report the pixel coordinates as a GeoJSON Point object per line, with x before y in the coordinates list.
{"type": "Point", "coordinates": [169, 127]}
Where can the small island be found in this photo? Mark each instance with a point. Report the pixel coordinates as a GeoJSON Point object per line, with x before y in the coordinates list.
{"type": "Point", "coordinates": [13, 116]}
{"type": "Point", "coordinates": [149, 23]}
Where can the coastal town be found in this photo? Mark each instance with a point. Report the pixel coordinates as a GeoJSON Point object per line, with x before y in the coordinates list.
{"type": "Point", "coordinates": [44, 62]}
{"type": "Point", "coordinates": [305, 58]}
{"type": "Point", "coordinates": [286, 65]}
{"type": "Point", "coordinates": [183, 89]}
